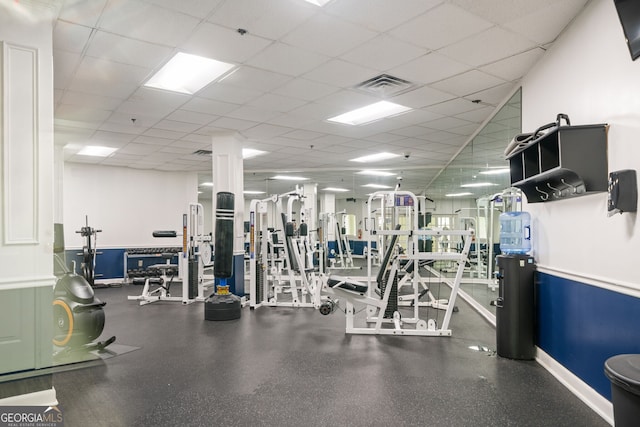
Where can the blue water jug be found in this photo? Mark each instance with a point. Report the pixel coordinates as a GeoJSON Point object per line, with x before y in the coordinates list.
{"type": "Point", "coordinates": [515, 232]}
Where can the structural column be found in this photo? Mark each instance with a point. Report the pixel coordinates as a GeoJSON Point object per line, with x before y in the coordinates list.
{"type": "Point", "coordinates": [227, 173]}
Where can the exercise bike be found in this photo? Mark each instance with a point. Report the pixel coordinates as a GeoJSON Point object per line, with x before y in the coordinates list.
{"type": "Point", "coordinates": [78, 314]}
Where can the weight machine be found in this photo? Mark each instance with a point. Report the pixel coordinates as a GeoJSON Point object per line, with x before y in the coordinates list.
{"type": "Point", "coordinates": [195, 257]}
{"type": "Point", "coordinates": [280, 274]}
{"type": "Point", "coordinates": [88, 265]}
{"type": "Point", "coordinates": [378, 298]}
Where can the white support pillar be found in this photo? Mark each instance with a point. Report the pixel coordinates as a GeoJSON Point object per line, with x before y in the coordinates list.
{"type": "Point", "coordinates": [310, 205]}
{"type": "Point", "coordinates": [228, 175]}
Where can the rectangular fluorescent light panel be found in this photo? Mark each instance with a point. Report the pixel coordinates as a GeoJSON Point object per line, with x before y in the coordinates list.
{"type": "Point", "coordinates": [380, 186]}
{"type": "Point", "coordinates": [374, 157]}
{"type": "Point", "coordinates": [495, 171]}
{"type": "Point", "coordinates": [97, 151]}
{"type": "Point", "coordinates": [370, 113]}
{"type": "Point", "coordinates": [457, 194]}
{"type": "Point", "coordinates": [252, 192]}
{"type": "Point", "coordinates": [334, 189]}
{"type": "Point", "coordinates": [186, 73]}
{"type": "Point", "coordinates": [289, 178]}
{"type": "Point", "coordinates": [478, 184]}
{"type": "Point", "coordinates": [248, 153]}
{"type": "Point", "coordinates": [318, 2]}
{"type": "Point", "coordinates": [371, 172]}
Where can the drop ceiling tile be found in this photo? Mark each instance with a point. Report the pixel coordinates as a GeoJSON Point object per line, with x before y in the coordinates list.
{"type": "Point", "coordinates": [75, 112]}
{"type": "Point", "coordinates": [90, 101]}
{"type": "Point", "coordinates": [64, 66]}
{"type": "Point", "coordinates": [316, 111]}
{"type": "Point", "coordinates": [410, 131]}
{"type": "Point", "coordinates": [255, 114]}
{"type": "Point", "coordinates": [228, 93]}
{"type": "Point", "coordinates": [265, 131]}
{"type": "Point", "coordinates": [379, 15]}
{"type": "Point", "coordinates": [271, 19]}
{"type": "Point", "coordinates": [495, 95]}
{"type": "Point", "coordinates": [208, 106]}
{"type": "Point", "coordinates": [386, 137]}
{"type": "Point", "coordinates": [115, 89]}
{"type": "Point", "coordinates": [105, 71]}
{"type": "Point", "coordinates": [422, 97]}
{"type": "Point", "coordinates": [514, 67]}
{"type": "Point", "coordinates": [233, 123]}
{"type": "Point", "coordinates": [340, 73]}
{"type": "Point", "coordinates": [224, 44]}
{"type": "Point", "coordinates": [144, 21]}
{"type": "Point", "coordinates": [397, 53]}
{"type": "Point", "coordinates": [122, 128]}
{"type": "Point", "coordinates": [112, 137]}
{"type": "Point", "coordinates": [304, 135]}
{"type": "Point", "coordinates": [127, 51]}
{"type": "Point", "coordinates": [191, 117]}
{"type": "Point", "coordinates": [290, 120]}
{"type": "Point", "coordinates": [159, 133]}
{"type": "Point", "coordinates": [475, 50]}
{"type": "Point", "coordinates": [198, 8]}
{"type": "Point", "coordinates": [465, 130]}
{"type": "Point", "coordinates": [175, 150]}
{"type": "Point", "coordinates": [285, 59]}
{"type": "Point", "coordinates": [194, 137]}
{"type": "Point", "coordinates": [347, 100]}
{"type": "Point", "coordinates": [78, 123]}
{"type": "Point", "coordinates": [277, 103]}
{"type": "Point", "coordinates": [177, 126]}
{"type": "Point", "coordinates": [416, 117]}
{"type": "Point", "coordinates": [328, 35]}
{"type": "Point", "coordinates": [544, 25]}
{"type": "Point", "coordinates": [441, 26]}
{"type": "Point", "coordinates": [495, 11]}
{"type": "Point", "coordinates": [446, 123]}
{"type": "Point", "coordinates": [305, 89]}
{"type": "Point", "coordinates": [134, 108]}
{"type": "Point", "coordinates": [476, 116]}
{"type": "Point", "coordinates": [470, 82]}
{"type": "Point", "coordinates": [82, 12]}
{"type": "Point", "coordinates": [126, 119]}
{"type": "Point", "coordinates": [255, 79]}
{"type": "Point", "coordinates": [193, 146]}
{"type": "Point", "coordinates": [144, 139]}
{"type": "Point", "coordinates": [429, 68]}
{"type": "Point", "coordinates": [70, 37]}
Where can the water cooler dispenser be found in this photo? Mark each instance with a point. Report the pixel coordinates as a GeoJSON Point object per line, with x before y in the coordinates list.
{"type": "Point", "coordinates": [515, 311]}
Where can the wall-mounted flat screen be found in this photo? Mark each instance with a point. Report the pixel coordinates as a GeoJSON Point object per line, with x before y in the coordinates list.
{"type": "Point", "coordinates": [629, 14]}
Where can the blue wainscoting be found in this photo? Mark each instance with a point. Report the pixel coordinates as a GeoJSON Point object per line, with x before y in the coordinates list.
{"type": "Point", "coordinates": [581, 326]}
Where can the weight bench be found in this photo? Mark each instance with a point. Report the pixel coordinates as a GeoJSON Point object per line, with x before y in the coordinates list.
{"type": "Point", "coordinates": [161, 292]}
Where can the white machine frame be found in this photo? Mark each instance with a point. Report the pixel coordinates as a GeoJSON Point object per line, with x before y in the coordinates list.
{"type": "Point", "coordinates": [194, 243]}
{"type": "Point", "coordinates": [300, 287]}
{"type": "Point", "coordinates": [375, 306]}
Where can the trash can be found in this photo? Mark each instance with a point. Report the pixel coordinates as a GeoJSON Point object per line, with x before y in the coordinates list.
{"type": "Point", "coordinates": [515, 311]}
{"type": "Point", "coordinates": [624, 372]}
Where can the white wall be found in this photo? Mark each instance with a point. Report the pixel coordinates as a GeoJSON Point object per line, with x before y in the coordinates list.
{"type": "Point", "coordinates": [589, 75]}
{"type": "Point", "coordinates": [126, 204]}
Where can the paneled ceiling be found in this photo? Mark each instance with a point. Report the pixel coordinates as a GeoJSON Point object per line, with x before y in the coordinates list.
{"type": "Point", "coordinates": [297, 65]}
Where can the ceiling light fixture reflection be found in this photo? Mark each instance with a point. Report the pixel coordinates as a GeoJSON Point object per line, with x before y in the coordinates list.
{"type": "Point", "coordinates": [186, 73]}
{"type": "Point", "coordinates": [318, 2]}
{"type": "Point", "coordinates": [495, 171]}
{"type": "Point", "coordinates": [380, 186]}
{"type": "Point", "coordinates": [206, 184]}
{"type": "Point", "coordinates": [478, 184]}
{"type": "Point", "coordinates": [372, 172]}
{"type": "Point", "coordinates": [97, 151]}
{"type": "Point", "coordinates": [252, 192]}
{"type": "Point", "coordinates": [458, 194]}
{"type": "Point", "coordinates": [335, 189]}
{"type": "Point", "coordinates": [249, 153]}
{"type": "Point", "coordinates": [370, 113]}
{"type": "Point", "coordinates": [374, 157]}
{"type": "Point", "coordinates": [289, 178]}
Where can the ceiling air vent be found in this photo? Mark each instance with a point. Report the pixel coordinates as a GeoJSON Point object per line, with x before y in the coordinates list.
{"type": "Point", "coordinates": [203, 153]}
{"type": "Point", "coordinates": [385, 86]}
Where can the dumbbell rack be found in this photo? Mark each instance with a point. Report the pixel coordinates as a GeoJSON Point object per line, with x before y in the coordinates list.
{"type": "Point", "coordinates": [141, 253]}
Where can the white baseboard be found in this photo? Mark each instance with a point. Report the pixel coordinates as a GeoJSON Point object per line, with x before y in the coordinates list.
{"type": "Point", "coordinates": [582, 390]}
